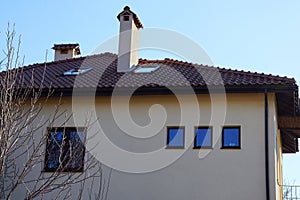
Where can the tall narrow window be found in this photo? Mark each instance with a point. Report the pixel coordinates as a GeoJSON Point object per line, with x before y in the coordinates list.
{"type": "Point", "coordinates": [203, 137]}
{"type": "Point", "coordinates": [65, 150]}
{"type": "Point", "coordinates": [175, 138]}
{"type": "Point", "coordinates": [231, 137]}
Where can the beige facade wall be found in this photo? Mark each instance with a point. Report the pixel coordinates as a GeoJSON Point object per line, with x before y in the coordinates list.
{"type": "Point", "coordinates": [279, 187]}
{"type": "Point", "coordinates": [274, 150]}
{"type": "Point", "coordinates": [222, 174]}
{"type": "Point", "coordinates": [196, 174]}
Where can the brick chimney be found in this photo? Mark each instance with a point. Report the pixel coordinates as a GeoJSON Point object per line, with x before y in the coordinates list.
{"type": "Point", "coordinates": [65, 51]}
{"type": "Point", "coordinates": [129, 37]}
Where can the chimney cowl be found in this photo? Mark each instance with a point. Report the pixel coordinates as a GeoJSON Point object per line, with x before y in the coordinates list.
{"type": "Point", "coordinates": [127, 11]}
{"type": "Point", "coordinates": [66, 51]}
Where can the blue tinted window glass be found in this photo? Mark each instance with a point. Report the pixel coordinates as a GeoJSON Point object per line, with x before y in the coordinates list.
{"type": "Point", "coordinates": [231, 137]}
{"type": "Point", "coordinates": [65, 150]}
{"type": "Point", "coordinates": [55, 147]}
{"type": "Point", "coordinates": [203, 137]}
{"type": "Point", "coordinates": [176, 137]}
{"type": "Point", "coordinates": [76, 150]}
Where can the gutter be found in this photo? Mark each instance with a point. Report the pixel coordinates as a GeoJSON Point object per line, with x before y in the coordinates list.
{"type": "Point", "coordinates": [267, 145]}
{"type": "Point", "coordinates": [161, 90]}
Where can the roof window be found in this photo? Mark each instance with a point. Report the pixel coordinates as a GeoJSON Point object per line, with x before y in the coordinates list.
{"type": "Point", "coordinates": [146, 69]}
{"type": "Point", "coordinates": [77, 71]}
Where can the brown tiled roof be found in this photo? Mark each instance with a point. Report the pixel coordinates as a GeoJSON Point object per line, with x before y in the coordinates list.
{"type": "Point", "coordinates": [135, 17]}
{"type": "Point", "coordinates": [172, 73]}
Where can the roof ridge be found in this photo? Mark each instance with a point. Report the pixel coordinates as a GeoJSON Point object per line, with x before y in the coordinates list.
{"type": "Point", "coordinates": [235, 71]}
{"type": "Point", "coordinates": [67, 60]}
{"type": "Point", "coordinates": [256, 74]}
{"type": "Point", "coordinates": [169, 60]}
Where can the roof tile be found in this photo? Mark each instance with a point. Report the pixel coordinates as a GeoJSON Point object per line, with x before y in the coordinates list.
{"type": "Point", "coordinates": [171, 73]}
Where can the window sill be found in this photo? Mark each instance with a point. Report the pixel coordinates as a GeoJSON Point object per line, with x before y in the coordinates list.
{"type": "Point", "coordinates": [59, 171]}
{"type": "Point", "coordinates": [231, 148]}
{"type": "Point", "coordinates": [174, 147]}
{"type": "Point", "coordinates": [198, 148]}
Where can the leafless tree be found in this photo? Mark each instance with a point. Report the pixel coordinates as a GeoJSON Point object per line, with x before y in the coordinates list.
{"type": "Point", "coordinates": [24, 137]}
{"type": "Point", "coordinates": [290, 190]}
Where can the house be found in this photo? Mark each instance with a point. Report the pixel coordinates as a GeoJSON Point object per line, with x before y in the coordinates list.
{"type": "Point", "coordinates": [168, 129]}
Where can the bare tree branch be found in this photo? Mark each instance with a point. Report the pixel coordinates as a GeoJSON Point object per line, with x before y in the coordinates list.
{"type": "Point", "coordinates": [24, 135]}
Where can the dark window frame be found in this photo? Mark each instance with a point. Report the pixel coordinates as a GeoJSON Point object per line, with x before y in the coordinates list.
{"type": "Point", "coordinates": [239, 139]}
{"type": "Point", "coordinates": [64, 51]}
{"type": "Point", "coordinates": [67, 131]}
{"type": "Point", "coordinates": [168, 137]}
{"type": "Point", "coordinates": [126, 17]}
{"type": "Point", "coordinates": [195, 138]}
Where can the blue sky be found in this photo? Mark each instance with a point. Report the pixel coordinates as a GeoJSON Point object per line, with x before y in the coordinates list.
{"type": "Point", "coordinates": [262, 36]}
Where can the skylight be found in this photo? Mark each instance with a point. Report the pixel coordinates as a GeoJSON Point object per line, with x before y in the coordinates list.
{"type": "Point", "coordinates": [146, 69]}
{"type": "Point", "coordinates": [77, 71]}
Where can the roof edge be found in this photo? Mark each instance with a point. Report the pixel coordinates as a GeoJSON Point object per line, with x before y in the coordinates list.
{"type": "Point", "coordinates": [181, 90]}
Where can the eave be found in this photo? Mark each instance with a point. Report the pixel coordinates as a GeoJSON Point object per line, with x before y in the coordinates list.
{"type": "Point", "coordinates": [162, 90]}
{"type": "Point", "coordinates": [290, 132]}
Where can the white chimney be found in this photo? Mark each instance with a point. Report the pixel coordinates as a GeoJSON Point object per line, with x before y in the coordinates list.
{"type": "Point", "coordinates": [129, 38]}
{"type": "Point", "coordinates": [66, 51]}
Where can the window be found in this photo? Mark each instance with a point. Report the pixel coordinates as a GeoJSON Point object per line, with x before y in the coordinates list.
{"type": "Point", "coordinates": [231, 137]}
{"type": "Point", "coordinates": [65, 150]}
{"type": "Point", "coordinates": [126, 18]}
{"type": "Point", "coordinates": [64, 51]}
{"type": "Point", "coordinates": [146, 69]}
{"type": "Point", "coordinates": [175, 138]}
{"type": "Point", "coordinates": [77, 71]}
{"type": "Point", "coordinates": [203, 137]}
